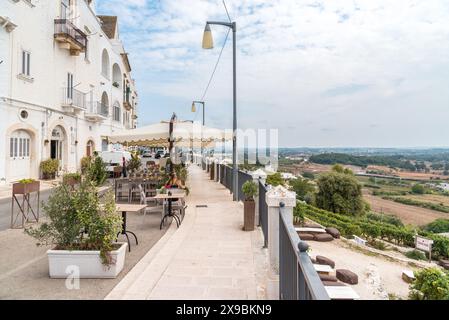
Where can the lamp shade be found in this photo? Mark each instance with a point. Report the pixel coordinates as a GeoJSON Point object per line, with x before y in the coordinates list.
{"type": "Point", "coordinates": [193, 107]}
{"type": "Point", "coordinates": [208, 41]}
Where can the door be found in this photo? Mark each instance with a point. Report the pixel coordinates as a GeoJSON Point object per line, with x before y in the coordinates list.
{"type": "Point", "coordinates": [57, 145]}
{"type": "Point", "coordinates": [19, 155]}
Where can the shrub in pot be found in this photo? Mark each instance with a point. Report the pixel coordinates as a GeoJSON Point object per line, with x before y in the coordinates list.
{"type": "Point", "coordinates": [49, 168]}
{"type": "Point", "coordinates": [71, 179]}
{"type": "Point", "coordinates": [250, 190]}
{"type": "Point", "coordinates": [25, 186]}
{"type": "Point", "coordinates": [82, 230]}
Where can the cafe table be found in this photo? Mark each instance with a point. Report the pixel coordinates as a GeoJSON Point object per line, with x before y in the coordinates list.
{"type": "Point", "coordinates": [170, 197]}
{"type": "Point", "coordinates": [124, 209]}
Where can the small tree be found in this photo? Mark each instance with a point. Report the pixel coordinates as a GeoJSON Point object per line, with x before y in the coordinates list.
{"type": "Point", "coordinates": [430, 284]}
{"type": "Point", "coordinates": [275, 180]}
{"type": "Point", "coordinates": [72, 213]}
{"type": "Point", "coordinates": [250, 190]}
{"type": "Point", "coordinates": [302, 187]}
{"type": "Point", "coordinates": [340, 192]}
{"type": "Point", "coordinates": [134, 163]}
{"type": "Point", "coordinates": [97, 172]}
{"type": "Point", "coordinates": [418, 189]}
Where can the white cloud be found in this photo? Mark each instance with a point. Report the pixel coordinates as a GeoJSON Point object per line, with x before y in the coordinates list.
{"type": "Point", "coordinates": [291, 53]}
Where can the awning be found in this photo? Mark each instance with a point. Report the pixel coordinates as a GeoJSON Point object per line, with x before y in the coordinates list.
{"type": "Point", "coordinates": [185, 134]}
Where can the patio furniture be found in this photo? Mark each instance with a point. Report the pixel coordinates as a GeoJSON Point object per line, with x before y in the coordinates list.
{"type": "Point", "coordinates": [347, 276]}
{"type": "Point", "coordinates": [323, 269]}
{"type": "Point", "coordinates": [25, 207]}
{"type": "Point", "coordinates": [124, 209]}
{"type": "Point", "coordinates": [160, 207]}
{"type": "Point", "coordinates": [122, 189]}
{"type": "Point", "coordinates": [134, 189]}
{"type": "Point", "coordinates": [324, 260]}
{"type": "Point", "coordinates": [170, 197]}
{"type": "Point", "coordinates": [341, 293]}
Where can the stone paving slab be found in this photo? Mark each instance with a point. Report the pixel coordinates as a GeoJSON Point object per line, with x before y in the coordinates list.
{"type": "Point", "coordinates": [208, 257]}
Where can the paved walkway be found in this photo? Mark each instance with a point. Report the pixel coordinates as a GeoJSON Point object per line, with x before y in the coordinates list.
{"type": "Point", "coordinates": [208, 257]}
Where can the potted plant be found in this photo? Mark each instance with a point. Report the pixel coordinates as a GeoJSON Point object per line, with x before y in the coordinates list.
{"type": "Point", "coordinates": [250, 190]}
{"type": "Point", "coordinates": [82, 230]}
{"type": "Point", "coordinates": [96, 171]}
{"type": "Point", "coordinates": [134, 163]}
{"type": "Point", "coordinates": [49, 168]}
{"type": "Point", "coordinates": [71, 179]}
{"type": "Point", "coordinates": [25, 186]}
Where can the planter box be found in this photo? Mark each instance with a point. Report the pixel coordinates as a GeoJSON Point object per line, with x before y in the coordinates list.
{"type": "Point", "coordinates": [89, 263]}
{"type": "Point", "coordinates": [26, 188]}
{"type": "Point", "coordinates": [249, 213]}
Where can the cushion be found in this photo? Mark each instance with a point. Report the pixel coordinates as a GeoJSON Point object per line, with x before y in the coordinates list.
{"type": "Point", "coordinates": [333, 232]}
{"type": "Point", "coordinates": [347, 276]}
{"type": "Point", "coordinates": [324, 260]}
{"type": "Point", "coordinates": [305, 236]}
{"type": "Point", "coordinates": [323, 237]}
{"type": "Point", "coordinates": [326, 277]}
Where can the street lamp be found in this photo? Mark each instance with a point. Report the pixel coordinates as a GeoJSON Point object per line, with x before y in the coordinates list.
{"type": "Point", "coordinates": [194, 110]}
{"type": "Point", "coordinates": [208, 43]}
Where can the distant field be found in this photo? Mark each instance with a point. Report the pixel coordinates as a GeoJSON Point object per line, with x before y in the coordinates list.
{"type": "Point", "coordinates": [408, 214]}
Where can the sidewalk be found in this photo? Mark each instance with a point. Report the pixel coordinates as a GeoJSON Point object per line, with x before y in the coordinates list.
{"type": "Point", "coordinates": [208, 257]}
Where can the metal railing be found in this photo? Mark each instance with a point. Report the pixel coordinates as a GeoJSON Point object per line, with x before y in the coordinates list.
{"type": "Point", "coordinates": [74, 98]}
{"type": "Point", "coordinates": [263, 212]}
{"type": "Point", "coordinates": [241, 179]}
{"type": "Point", "coordinates": [67, 28]}
{"type": "Point", "coordinates": [98, 108]}
{"type": "Point", "coordinates": [298, 279]}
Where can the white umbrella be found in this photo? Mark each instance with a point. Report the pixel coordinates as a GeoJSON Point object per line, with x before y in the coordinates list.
{"type": "Point", "coordinates": [185, 134]}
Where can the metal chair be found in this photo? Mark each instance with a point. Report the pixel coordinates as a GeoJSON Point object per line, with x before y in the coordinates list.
{"type": "Point", "coordinates": [150, 209]}
{"type": "Point", "coordinates": [122, 189]}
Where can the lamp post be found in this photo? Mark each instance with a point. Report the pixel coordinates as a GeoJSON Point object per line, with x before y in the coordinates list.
{"type": "Point", "coordinates": [208, 43]}
{"type": "Point", "coordinates": [204, 121]}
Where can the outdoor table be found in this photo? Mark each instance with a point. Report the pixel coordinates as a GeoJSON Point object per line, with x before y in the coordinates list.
{"type": "Point", "coordinates": [124, 209]}
{"type": "Point", "coordinates": [169, 213]}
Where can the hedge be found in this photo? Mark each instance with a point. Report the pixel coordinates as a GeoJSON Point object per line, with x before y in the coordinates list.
{"type": "Point", "coordinates": [350, 226]}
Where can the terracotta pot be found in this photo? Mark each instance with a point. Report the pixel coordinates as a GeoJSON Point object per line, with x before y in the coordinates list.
{"type": "Point", "coordinates": [249, 213]}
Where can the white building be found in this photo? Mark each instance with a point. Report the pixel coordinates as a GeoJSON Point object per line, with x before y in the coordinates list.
{"type": "Point", "coordinates": [65, 84]}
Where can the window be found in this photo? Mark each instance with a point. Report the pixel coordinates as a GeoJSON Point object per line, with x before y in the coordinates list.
{"type": "Point", "coordinates": [69, 85]}
{"type": "Point", "coordinates": [116, 113]}
{"type": "Point", "coordinates": [26, 63]}
{"type": "Point", "coordinates": [65, 9]}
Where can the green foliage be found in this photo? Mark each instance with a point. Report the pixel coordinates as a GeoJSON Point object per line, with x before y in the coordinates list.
{"type": "Point", "coordinates": [71, 213]}
{"type": "Point", "coordinates": [393, 220]}
{"type": "Point", "coordinates": [26, 181]}
{"type": "Point", "coordinates": [302, 187]}
{"type": "Point", "coordinates": [250, 189]}
{"type": "Point", "coordinates": [340, 192]}
{"type": "Point", "coordinates": [418, 189]}
{"type": "Point", "coordinates": [275, 180]}
{"type": "Point", "coordinates": [85, 164]}
{"type": "Point", "coordinates": [396, 161]}
{"type": "Point", "coordinates": [308, 175]}
{"type": "Point", "coordinates": [376, 244]}
{"type": "Point", "coordinates": [181, 172]}
{"type": "Point", "coordinates": [134, 163]}
{"type": "Point", "coordinates": [96, 172]}
{"type": "Point", "coordinates": [430, 284]}
{"type": "Point", "coordinates": [415, 255]}
{"type": "Point", "coordinates": [49, 167]}
{"type": "Point", "coordinates": [298, 215]}
{"type": "Point", "coordinates": [76, 177]}
{"type": "Point", "coordinates": [362, 226]}
{"type": "Point", "coordinates": [438, 226]}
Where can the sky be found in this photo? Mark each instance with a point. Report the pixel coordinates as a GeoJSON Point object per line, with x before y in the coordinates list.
{"type": "Point", "coordinates": [333, 73]}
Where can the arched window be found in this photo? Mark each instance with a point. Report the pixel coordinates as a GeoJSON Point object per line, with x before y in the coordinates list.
{"type": "Point", "coordinates": [116, 76]}
{"type": "Point", "coordinates": [105, 64]}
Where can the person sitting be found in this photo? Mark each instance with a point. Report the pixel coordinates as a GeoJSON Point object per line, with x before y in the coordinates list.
{"type": "Point", "coordinates": [174, 182]}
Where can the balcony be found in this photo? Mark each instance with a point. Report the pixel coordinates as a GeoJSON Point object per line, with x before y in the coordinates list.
{"type": "Point", "coordinates": [70, 37]}
{"type": "Point", "coordinates": [73, 101]}
{"type": "Point", "coordinates": [97, 111]}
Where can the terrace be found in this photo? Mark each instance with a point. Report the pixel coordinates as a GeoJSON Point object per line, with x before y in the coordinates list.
{"type": "Point", "coordinates": [211, 257]}
{"type": "Point", "coordinates": [70, 37]}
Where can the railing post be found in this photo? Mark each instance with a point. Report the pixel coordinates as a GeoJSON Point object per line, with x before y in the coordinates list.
{"type": "Point", "coordinates": [258, 175]}
{"type": "Point", "coordinates": [274, 197]}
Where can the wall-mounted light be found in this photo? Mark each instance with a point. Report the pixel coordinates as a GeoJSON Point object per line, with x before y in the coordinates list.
{"type": "Point", "coordinates": [46, 141]}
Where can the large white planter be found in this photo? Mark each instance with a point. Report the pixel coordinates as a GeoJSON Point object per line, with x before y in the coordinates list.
{"type": "Point", "coordinates": [84, 264]}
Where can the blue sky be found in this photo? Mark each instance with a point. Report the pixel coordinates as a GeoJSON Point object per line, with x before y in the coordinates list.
{"type": "Point", "coordinates": [324, 73]}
